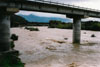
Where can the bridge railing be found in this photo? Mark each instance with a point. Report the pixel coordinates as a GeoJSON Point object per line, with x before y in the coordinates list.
{"type": "Point", "coordinates": [63, 4]}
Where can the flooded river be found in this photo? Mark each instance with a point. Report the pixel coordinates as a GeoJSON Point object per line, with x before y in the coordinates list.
{"type": "Point", "coordinates": [52, 47]}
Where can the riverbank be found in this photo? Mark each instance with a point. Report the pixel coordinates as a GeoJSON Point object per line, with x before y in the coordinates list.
{"type": "Point", "coordinates": [52, 47]}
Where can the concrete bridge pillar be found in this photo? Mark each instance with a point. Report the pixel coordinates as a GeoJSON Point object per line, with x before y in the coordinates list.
{"type": "Point", "coordinates": [76, 27]}
{"type": "Point", "coordinates": [5, 28]}
{"type": "Point", "coordinates": [76, 30]}
{"type": "Point", "coordinates": [4, 31]}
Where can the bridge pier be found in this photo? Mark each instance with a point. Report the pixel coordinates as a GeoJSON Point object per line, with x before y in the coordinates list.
{"type": "Point", "coordinates": [4, 31]}
{"type": "Point", "coordinates": [5, 28]}
{"type": "Point", "coordinates": [76, 27]}
{"type": "Point", "coordinates": [76, 30]}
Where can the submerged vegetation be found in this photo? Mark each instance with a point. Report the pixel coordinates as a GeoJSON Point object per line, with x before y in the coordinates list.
{"type": "Point", "coordinates": [87, 25]}
{"type": "Point", "coordinates": [32, 28]}
{"type": "Point", "coordinates": [93, 35]}
{"type": "Point", "coordinates": [14, 37]}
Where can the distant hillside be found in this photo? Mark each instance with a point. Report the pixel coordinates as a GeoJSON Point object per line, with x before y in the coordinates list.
{"type": "Point", "coordinates": [17, 20]}
{"type": "Point", "coordinates": [34, 18]}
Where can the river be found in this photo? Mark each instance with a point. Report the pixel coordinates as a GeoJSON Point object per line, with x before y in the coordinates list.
{"type": "Point", "coordinates": [52, 47]}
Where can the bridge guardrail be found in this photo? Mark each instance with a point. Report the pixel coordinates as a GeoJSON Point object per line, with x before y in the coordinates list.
{"type": "Point", "coordinates": [62, 4]}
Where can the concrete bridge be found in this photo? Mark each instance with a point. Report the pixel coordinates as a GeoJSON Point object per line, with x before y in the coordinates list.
{"type": "Point", "coordinates": [9, 7]}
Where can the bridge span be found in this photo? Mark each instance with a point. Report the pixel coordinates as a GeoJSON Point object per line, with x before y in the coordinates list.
{"type": "Point", "coordinates": [8, 7]}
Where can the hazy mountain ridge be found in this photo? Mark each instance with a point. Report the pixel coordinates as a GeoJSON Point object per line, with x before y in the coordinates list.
{"type": "Point", "coordinates": [34, 18]}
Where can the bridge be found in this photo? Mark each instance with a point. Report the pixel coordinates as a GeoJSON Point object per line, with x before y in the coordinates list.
{"type": "Point", "coordinates": [9, 7]}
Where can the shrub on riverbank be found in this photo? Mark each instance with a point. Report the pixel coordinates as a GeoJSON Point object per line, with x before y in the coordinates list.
{"type": "Point", "coordinates": [10, 58]}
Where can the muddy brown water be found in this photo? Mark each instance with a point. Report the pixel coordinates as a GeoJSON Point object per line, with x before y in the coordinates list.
{"type": "Point", "coordinates": [42, 48]}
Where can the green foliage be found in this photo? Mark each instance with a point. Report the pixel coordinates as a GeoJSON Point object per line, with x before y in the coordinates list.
{"type": "Point", "coordinates": [91, 25]}
{"type": "Point", "coordinates": [10, 59]}
{"type": "Point", "coordinates": [88, 25]}
{"type": "Point", "coordinates": [59, 24]}
{"type": "Point", "coordinates": [32, 28]}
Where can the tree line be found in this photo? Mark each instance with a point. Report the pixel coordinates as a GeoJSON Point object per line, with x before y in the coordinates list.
{"type": "Point", "coordinates": [86, 25]}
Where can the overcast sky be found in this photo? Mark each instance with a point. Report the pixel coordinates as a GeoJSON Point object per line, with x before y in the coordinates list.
{"type": "Point", "coordinates": [94, 4]}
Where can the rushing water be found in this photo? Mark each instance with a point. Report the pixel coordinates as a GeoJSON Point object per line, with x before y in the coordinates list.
{"type": "Point", "coordinates": [48, 48]}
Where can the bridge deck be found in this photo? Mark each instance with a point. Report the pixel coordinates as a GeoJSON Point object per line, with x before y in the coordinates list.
{"type": "Point", "coordinates": [52, 7]}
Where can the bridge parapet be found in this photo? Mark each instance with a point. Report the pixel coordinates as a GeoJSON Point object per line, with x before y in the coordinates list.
{"type": "Point", "coordinates": [63, 4]}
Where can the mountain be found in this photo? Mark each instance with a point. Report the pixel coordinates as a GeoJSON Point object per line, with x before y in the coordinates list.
{"type": "Point", "coordinates": [34, 18]}
{"type": "Point", "coordinates": [17, 20]}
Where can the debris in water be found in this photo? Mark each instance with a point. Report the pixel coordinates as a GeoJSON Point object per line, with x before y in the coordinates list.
{"type": "Point", "coordinates": [29, 52]}
{"type": "Point", "coordinates": [93, 35]}
{"type": "Point", "coordinates": [89, 44]}
{"type": "Point", "coordinates": [51, 48]}
{"type": "Point", "coordinates": [57, 41]}
{"type": "Point", "coordinates": [73, 65]}
{"type": "Point", "coordinates": [66, 38]}
{"type": "Point", "coordinates": [84, 32]}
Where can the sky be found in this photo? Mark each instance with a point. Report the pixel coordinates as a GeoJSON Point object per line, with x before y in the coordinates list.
{"type": "Point", "coordinates": [94, 4]}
